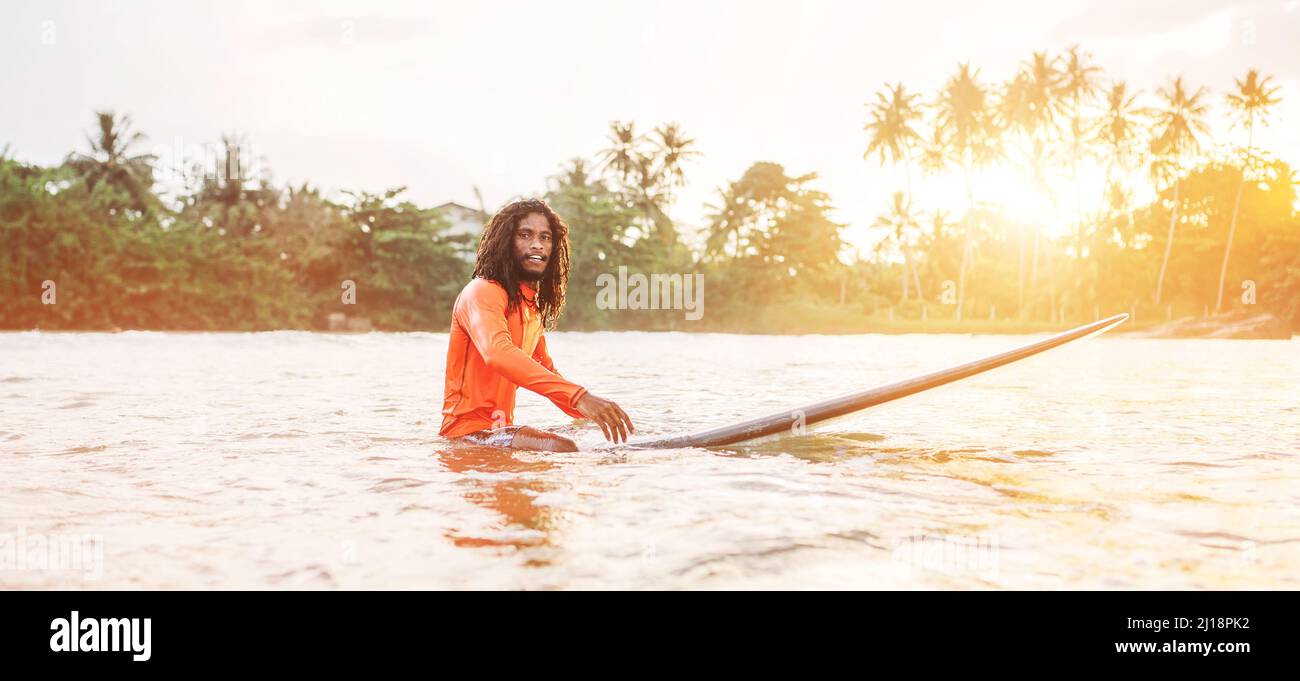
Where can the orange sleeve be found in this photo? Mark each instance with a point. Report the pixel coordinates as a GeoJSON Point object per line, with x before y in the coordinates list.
{"type": "Point", "coordinates": [483, 316]}
{"type": "Point", "coordinates": [544, 359]}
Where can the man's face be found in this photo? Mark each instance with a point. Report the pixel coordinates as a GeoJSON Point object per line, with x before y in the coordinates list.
{"type": "Point", "coordinates": [533, 243]}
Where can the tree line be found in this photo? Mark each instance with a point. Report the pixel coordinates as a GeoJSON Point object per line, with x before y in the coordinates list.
{"type": "Point", "coordinates": [1220, 217]}
{"type": "Point", "coordinates": [96, 242]}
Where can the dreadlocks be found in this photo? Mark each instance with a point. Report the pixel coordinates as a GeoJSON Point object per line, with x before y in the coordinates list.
{"type": "Point", "coordinates": [495, 260]}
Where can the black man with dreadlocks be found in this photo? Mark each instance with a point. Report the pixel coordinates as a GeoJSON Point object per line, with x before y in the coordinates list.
{"type": "Point", "coordinates": [496, 336]}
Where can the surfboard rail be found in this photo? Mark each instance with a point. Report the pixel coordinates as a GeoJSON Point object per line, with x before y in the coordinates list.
{"type": "Point", "coordinates": [845, 404]}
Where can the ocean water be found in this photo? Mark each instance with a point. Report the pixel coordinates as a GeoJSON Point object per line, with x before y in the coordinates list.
{"type": "Point", "coordinates": [305, 460]}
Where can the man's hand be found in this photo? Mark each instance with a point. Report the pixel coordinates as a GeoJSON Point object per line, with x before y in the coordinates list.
{"type": "Point", "coordinates": [611, 418]}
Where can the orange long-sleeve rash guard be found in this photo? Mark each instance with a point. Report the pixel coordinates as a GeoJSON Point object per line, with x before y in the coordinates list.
{"type": "Point", "coordinates": [491, 355]}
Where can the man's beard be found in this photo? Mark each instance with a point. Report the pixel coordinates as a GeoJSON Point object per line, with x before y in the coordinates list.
{"type": "Point", "coordinates": [523, 274]}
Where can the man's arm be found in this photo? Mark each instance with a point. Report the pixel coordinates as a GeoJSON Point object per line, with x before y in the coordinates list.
{"type": "Point", "coordinates": [483, 316]}
{"type": "Point", "coordinates": [544, 358]}
{"type": "Point", "coordinates": [611, 418]}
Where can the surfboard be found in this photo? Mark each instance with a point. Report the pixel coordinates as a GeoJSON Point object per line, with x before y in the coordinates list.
{"type": "Point", "coordinates": [818, 412]}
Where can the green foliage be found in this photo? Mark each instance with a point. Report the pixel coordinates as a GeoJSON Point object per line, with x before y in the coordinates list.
{"type": "Point", "coordinates": [608, 231]}
{"type": "Point", "coordinates": [407, 274]}
{"type": "Point", "coordinates": [232, 254]}
{"type": "Point", "coordinates": [231, 258]}
{"type": "Point", "coordinates": [770, 240]}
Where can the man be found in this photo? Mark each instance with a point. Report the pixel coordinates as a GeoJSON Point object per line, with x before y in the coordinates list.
{"type": "Point", "coordinates": [496, 336]}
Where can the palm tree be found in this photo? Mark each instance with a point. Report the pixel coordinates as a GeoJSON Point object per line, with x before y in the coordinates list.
{"type": "Point", "coordinates": [726, 222]}
{"type": "Point", "coordinates": [1030, 108]}
{"type": "Point", "coordinates": [1043, 79]}
{"type": "Point", "coordinates": [1078, 87]}
{"type": "Point", "coordinates": [1178, 122]}
{"type": "Point", "coordinates": [936, 156]}
{"type": "Point", "coordinates": [1015, 115]}
{"type": "Point", "coordinates": [1118, 200]}
{"type": "Point", "coordinates": [892, 137]}
{"type": "Point", "coordinates": [646, 181]}
{"type": "Point", "coordinates": [892, 132]}
{"type": "Point", "coordinates": [1080, 82]}
{"type": "Point", "coordinates": [572, 175]}
{"type": "Point", "coordinates": [621, 154]}
{"type": "Point", "coordinates": [675, 149]}
{"type": "Point", "coordinates": [110, 160]}
{"type": "Point", "coordinates": [1251, 102]}
{"type": "Point", "coordinates": [1119, 129]}
{"type": "Point", "coordinates": [969, 130]}
{"type": "Point", "coordinates": [651, 195]}
{"type": "Point", "coordinates": [1118, 132]}
{"type": "Point", "coordinates": [900, 223]}
{"type": "Point", "coordinates": [937, 241]}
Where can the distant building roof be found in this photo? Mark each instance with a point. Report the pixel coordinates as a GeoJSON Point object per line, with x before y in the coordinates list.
{"type": "Point", "coordinates": [452, 205]}
{"type": "Point", "coordinates": [464, 221]}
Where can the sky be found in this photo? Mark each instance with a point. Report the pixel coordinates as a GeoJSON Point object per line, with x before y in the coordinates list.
{"type": "Point", "coordinates": [442, 97]}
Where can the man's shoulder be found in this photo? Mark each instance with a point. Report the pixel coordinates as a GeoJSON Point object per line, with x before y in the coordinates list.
{"type": "Point", "coordinates": [478, 286]}
{"type": "Point", "coordinates": [480, 290]}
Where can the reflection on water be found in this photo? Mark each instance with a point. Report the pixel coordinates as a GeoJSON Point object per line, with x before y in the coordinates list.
{"type": "Point", "coordinates": [311, 460]}
{"type": "Point", "coordinates": [512, 497]}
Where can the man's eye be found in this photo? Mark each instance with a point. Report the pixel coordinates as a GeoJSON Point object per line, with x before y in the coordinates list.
{"type": "Point", "coordinates": [546, 237]}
